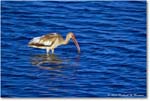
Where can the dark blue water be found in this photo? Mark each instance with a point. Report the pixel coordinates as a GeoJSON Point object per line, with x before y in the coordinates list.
{"type": "Point", "coordinates": [112, 38]}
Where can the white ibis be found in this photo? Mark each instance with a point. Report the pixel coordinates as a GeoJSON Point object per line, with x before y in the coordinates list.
{"type": "Point", "coordinates": [51, 41]}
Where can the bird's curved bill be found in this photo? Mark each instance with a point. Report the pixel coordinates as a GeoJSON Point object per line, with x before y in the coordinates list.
{"type": "Point", "coordinates": [76, 43]}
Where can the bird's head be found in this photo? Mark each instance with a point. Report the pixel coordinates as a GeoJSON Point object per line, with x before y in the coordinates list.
{"type": "Point", "coordinates": [72, 36]}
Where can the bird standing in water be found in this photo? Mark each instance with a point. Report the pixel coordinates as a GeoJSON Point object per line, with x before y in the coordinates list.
{"type": "Point", "coordinates": [51, 41]}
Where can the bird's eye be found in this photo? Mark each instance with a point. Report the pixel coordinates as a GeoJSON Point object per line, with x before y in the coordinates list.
{"type": "Point", "coordinates": [72, 36]}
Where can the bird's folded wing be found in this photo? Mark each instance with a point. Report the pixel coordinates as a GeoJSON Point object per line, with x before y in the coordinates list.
{"type": "Point", "coordinates": [41, 41]}
{"type": "Point", "coordinates": [45, 40]}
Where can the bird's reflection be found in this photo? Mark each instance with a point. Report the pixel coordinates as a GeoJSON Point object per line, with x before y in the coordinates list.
{"type": "Point", "coordinates": [49, 62]}
{"type": "Point", "coordinates": [59, 69]}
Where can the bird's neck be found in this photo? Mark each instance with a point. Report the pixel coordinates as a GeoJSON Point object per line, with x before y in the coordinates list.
{"type": "Point", "coordinates": [66, 40]}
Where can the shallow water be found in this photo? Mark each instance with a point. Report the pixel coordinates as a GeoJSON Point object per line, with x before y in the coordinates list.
{"type": "Point", "coordinates": [112, 38]}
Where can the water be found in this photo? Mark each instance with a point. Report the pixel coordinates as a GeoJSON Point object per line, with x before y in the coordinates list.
{"type": "Point", "coordinates": [112, 38]}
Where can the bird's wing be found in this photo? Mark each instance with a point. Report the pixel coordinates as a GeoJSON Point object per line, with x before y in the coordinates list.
{"type": "Point", "coordinates": [45, 40]}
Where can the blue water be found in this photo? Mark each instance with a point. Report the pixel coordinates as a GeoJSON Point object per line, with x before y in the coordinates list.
{"type": "Point", "coordinates": [112, 38]}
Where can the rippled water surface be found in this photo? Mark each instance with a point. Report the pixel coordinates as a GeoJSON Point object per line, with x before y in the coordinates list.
{"type": "Point", "coordinates": [112, 37]}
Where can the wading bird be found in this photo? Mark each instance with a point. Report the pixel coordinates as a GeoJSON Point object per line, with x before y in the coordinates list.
{"type": "Point", "coordinates": [51, 41]}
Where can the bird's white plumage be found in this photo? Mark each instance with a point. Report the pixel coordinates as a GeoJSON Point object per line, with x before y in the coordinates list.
{"type": "Point", "coordinates": [35, 40]}
{"type": "Point", "coordinates": [47, 42]}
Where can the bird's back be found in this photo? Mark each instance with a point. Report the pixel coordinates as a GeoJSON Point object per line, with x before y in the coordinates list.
{"type": "Point", "coordinates": [45, 41]}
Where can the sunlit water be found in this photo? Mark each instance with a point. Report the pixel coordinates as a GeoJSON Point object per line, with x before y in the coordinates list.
{"type": "Point", "coordinates": [112, 38]}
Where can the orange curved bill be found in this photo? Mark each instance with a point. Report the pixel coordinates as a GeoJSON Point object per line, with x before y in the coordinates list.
{"type": "Point", "coordinates": [76, 43]}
